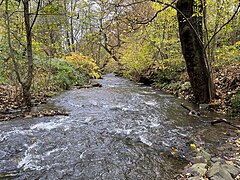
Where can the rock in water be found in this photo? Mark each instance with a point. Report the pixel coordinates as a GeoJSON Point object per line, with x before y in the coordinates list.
{"type": "Point", "coordinates": [218, 172]}
{"type": "Point", "coordinates": [198, 169]}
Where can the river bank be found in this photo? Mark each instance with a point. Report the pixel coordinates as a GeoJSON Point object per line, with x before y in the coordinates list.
{"type": "Point", "coordinates": [11, 106]}
{"type": "Point", "coordinates": [227, 102]}
{"type": "Point", "coordinates": [226, 79]}
{"type": "Point", "coordinates": [227, 84]}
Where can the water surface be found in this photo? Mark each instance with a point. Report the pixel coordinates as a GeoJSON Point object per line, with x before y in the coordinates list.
{"type": "Point", "coordinates": [120, 131]}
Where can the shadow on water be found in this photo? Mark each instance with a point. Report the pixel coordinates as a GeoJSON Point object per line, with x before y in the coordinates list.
{"type": "Point", "coordinates": [120, 131]}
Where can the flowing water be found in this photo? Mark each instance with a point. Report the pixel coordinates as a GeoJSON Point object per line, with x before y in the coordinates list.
{"type": "Point", "coordinates": [120, 131]}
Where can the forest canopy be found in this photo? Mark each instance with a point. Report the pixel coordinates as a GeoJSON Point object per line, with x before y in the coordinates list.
{"type": "Point", "coordinates": [47, 45]}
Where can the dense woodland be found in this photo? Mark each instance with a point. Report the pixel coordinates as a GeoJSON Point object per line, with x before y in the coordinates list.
{"type": "Point", "coordinates": [189, 48]}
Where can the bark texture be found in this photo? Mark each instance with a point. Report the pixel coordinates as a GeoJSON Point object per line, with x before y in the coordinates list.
{"type": "Point", "coordinates": [28, 82]}
{"type": "Point", "coordinates": [191, 36]}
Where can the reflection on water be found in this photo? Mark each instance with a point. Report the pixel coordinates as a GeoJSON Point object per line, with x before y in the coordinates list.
{"type": "Point", "coordinates": [120, 131]}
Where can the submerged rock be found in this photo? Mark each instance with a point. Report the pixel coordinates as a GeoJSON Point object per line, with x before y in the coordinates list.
{"type": "Point", "coordinates": [2, 154]}
{"type": "Point", "coordinates": [198, 159]}
{"type": "Point", "coordinates": [217, 178]}
{"type": "Point", "coordinates": [204, 154]}
{"type": "Point", "coordinates": [217, 171]}
{"type": "Point", "coordinates": [198, 169]}
{"type": "Point", "coordinates": [232, 170]}
{"type": "Point", "coordinates": [203, 166]}
{"type": "Point", "coordinates": [7, 166]}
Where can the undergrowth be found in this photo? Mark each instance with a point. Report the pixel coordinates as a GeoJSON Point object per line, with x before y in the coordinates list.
{"type": "Point", "coordinates": [234, 109]}
{"type": "Point", "coordinates": [56, 74]}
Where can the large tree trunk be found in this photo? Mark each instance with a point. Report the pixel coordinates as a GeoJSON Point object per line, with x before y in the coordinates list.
{"type": "Point", "coordinates": [28, 82]}
{"type": "Point", "coordinates": [191, 36]}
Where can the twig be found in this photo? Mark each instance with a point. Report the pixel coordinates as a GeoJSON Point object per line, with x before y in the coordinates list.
{"type": "Point", "coordinates": [213, 122]}
{"type": "Point", "coordinates": [226, 23]}
{"type": "Point", "coordinates": [191, 111]}
{"type": "Point", "coordinates": [224, 121]}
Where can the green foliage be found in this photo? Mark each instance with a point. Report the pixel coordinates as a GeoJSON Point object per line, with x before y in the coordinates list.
{"type": "Point", "coordinates": [169, 70]}
{"type": "Point", "coordinates": [151, 50]}
{"type": "Point", "coordinates": [155, 50]}
{"type": "Point", "coordinates": [112, 66]}
{"type": "Point", "coordinates": [2, 78]}
{"type": "Point", "coordinates": [53, 74]}
{"type": "Point", "coordinates": [186, 86]}
{"type": "Point", "coordinates": [137, 58]}
{"type": "Point", "coordinates": [85, 64]}
{"type": "Point", "coordinates": [2, 72]}
{"type": "Point", "coordinates": [228, 54]}
{"type": "Point", "coordinates": [53, 8]}
{"type": "Point", "coordinates": [175, 86]}
{"type": "Point", "coordinates": [235, 105]}
{"type": "Point", "coordinates": [66, 74]}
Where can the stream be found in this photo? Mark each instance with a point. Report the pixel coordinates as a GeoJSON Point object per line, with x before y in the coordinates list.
{"type": "Point", "coordinates": [120, 131]}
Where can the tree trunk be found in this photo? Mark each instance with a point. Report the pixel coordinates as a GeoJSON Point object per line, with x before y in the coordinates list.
{"type": "Point", "coordinates": [27, 84]}
{"type": "Point", "coordinates": [191, 36]}
{"type": "Point", "coordinates": [216, 26]}
{"type": "Point", "coordinates": [15, 63]}
{"type": "Point", "coordinates": [72, 35]}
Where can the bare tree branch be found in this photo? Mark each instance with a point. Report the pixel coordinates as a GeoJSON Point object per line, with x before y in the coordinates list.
{"type": "Point", "coordinates": [232, 17]}
{"type": "Point", "coordinates": [35, 18]}
{"type": "Point", "coordinates": [187, 19]}
{"type": "Point", "coordinates": [127, 5]}
{"type": "Point", "coordinates": [213, 122]}
{"type": "Point", "coordinates": [15, 64]}
{"type": "Point", "coordinates": [156, 14]}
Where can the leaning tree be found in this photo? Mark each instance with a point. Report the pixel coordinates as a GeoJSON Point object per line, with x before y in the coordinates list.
{"type": "Point", "coordinates": [190, 20]}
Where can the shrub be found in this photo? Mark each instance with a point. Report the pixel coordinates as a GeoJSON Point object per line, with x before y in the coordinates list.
{"type": "Point", "coordinates": [169, 70]}
{"type": "Point", "coordinates": [2, 77]}
{"type": "Point", "coordinates": [84, 63]}
{"type": "Point", "coordinates": [235, 105]}
{"type": "Point", "coordinates": [52, 74]}
{"type": "Point", "coordinates": [65, 74]}
{"type": "Point", "coordinates": [228, 54]}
